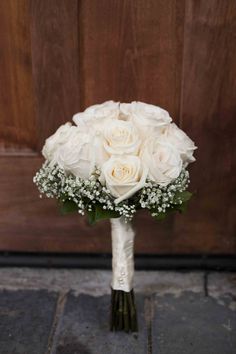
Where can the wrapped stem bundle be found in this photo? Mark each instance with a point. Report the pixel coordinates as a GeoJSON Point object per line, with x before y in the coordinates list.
{"type": "Point", "coordinates": [123, 309]}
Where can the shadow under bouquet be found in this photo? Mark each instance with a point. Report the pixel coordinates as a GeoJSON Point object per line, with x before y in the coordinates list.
{"type": "Point", "coordinates": [118, 158]}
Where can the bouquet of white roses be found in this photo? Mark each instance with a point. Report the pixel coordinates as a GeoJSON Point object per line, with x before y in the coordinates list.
{"type": "Point", "coordinates": [118, 158]}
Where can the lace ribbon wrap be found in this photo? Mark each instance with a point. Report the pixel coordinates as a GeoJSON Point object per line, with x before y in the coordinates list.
{"type": "Point", "coordinates": [122, 235]}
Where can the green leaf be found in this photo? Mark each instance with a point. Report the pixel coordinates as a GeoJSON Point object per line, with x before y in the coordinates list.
{"type": "Point", "coordinates": [68, 206]}
{"type": "Point", "coordinates": [98, 213]}
{"type": "Point", "coordinates": [104, 213]}
{"type": "Point", "coordinates": [91, 216]}
{"type": "Point", "coordinates": [184, 196]}
{"type": "Point", "coordinates": [182, 207]}
{"type": "Point", "coordinates": [162, 215]}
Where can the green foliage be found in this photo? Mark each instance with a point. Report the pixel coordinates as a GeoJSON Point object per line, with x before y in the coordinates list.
{"type": "Point", "coordinates": [91, 197]}
{"type": "Point", "coordinates": [162, 215]}
{"type": "Point", "coordinates": [181, 207]}
{"type": "Point", "coordinates": [68, 206]}
{"type": "Point", "coordinates": [98, 213]}
{"type": "Point", "coordinates": [181, 198]}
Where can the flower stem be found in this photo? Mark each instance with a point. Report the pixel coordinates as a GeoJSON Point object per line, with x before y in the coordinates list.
{"type": "Point", "coordinates": [123, 311]}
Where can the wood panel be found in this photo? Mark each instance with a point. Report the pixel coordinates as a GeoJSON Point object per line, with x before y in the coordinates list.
{"type": "Point", "coordinates": [47, 31]}
{"type": "Point", "coordinates": [208, 115]}
{"type": "Point", "coordinates": [17, 116]}
{"type": "Point", "coordinates": [132, 50]}
{"type": "Point", "coordinates": [59, 56]}
{"type": "Point", "coordinates": [29, 223]}
{"type": "Point", "coordinates": [55, 57]}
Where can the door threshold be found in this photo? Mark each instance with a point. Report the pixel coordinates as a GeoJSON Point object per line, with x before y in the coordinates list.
{"type": "Point", "coordinates": [103, 261]}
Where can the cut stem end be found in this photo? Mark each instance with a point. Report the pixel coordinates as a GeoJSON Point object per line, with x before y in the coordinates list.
{"type": "Point", "coordinates": [123, 311]}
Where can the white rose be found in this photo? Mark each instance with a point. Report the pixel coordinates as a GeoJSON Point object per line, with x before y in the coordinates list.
{"type": "Point", "coordinates": [124, 176]}
{"type": "Point", "coordinates": [121, 137]}
{"type": "Point", "coordinates": [100, 153]}
{"type": "Point", "coordinates": [146, 117]}
{"type": "Point", "coordinates": [162, 160]}
{"type": "Point", "coordinates": [52, 143]}
{"type": "Point", "coordinates": [77, 155]}
{"type": "Point", "coordinates": [180, 140]}
{"type": "Point", "coordinates": [95, 116]}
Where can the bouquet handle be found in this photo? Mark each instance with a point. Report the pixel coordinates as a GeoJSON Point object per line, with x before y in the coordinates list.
{"type": "Point", "coordinates": [123, 309]}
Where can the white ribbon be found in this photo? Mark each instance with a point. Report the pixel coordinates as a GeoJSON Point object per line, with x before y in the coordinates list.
{"type": "Point", "coordinates": [122, 235]}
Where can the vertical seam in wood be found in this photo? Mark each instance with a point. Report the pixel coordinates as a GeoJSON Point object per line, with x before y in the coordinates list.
{"type": "Point", "coordinates": [81, 85]}
{"type": "Point", "coordinates": [182, 71]}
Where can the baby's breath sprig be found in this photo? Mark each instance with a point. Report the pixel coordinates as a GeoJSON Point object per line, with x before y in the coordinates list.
{"type": "Point", "coordinates": [159, 199]}
{"type": "Point", "coordinates": [92, 197]}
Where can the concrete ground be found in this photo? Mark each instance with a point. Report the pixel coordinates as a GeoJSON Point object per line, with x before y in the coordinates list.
{"type": "Point", "coordinates": [59, 311]}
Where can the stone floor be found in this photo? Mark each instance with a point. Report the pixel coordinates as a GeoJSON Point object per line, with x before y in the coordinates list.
{"type": "Point", "coordinates": [61, 311]}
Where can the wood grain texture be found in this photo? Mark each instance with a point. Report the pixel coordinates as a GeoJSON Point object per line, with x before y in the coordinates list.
{"type": "Point", "coordinates": [208, 115]}
{"type": "Point", "coordinates": [29, 223]}
{"type": "Point", "coordinates": [55, 53]}
{"type": "Point", "coordinates": [132, 50]}
{"type": "Point", "coordinates": [93, 50]}
{"type": "Point", "coordinates": [17, 116]}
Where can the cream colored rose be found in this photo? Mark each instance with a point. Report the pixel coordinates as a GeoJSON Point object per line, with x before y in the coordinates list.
{"type": "Point", "coordinates": [162, 160]}
{"type": "Point", "coordinates": [123, 176]}
{"type": "Point", "coordinates": [180, 140]}
{"type": "Point", "coordinates": [101, 155]}
{"type": "Point", "coordinates": [60, 137]}
{"type": "Point", "coordinates": [121, 137]}
{"type": "Point", "coordinates": [77, 155]}
{"type": "Point", "coordinates": [146, 117]}
{"type": "Point", "coordinates": [96, 116]}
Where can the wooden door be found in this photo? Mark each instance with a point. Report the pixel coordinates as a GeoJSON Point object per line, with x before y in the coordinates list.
{"type": "Point", "coordinates": [58, 57]}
